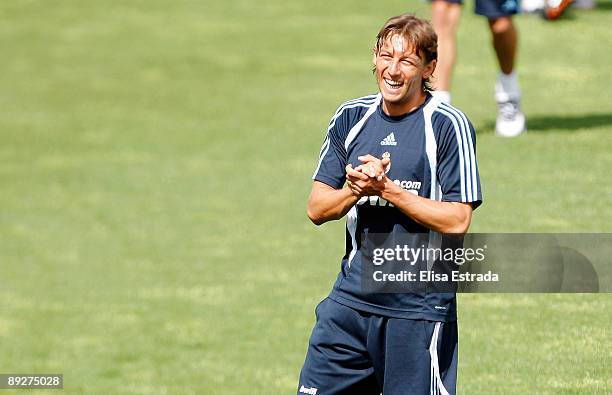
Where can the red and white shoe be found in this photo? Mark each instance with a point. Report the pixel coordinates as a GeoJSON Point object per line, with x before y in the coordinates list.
{"type": "Point", "coordinates": [553, 9]}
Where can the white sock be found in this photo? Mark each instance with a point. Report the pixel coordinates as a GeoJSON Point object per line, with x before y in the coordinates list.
{"type": "Point", "coordinates": [443, 96]}
{"type": "Point", "coordinates": [507, 87]}
{"type": "Point", "coordinates": [509, 82]}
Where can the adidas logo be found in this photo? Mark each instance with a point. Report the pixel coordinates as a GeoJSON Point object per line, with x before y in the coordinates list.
{"type": "Point", "coordinates": [389, 140]}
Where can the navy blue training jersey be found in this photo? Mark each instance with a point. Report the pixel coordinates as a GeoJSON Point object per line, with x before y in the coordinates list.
{"type": "Point", "coordinates": [433, 155]}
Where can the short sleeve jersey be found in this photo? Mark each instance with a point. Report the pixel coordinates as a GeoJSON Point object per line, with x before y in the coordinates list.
{"type": "Point", "coordinates": [433, 155]}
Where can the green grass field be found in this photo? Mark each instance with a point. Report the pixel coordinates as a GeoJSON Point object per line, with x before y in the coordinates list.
{"type": "Point", "coordinates": [155, 163]}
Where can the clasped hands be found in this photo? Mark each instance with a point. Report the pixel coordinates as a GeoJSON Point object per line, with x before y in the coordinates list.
{"type": "Point", "coordinates": [369, 178]}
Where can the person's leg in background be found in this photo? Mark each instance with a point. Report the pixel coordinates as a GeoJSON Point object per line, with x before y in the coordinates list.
{"type": "Point", "coordinates": [445, 19]}
{"type": "Point", "coordinates": [505, 39]}
{"type": "Point", "coordinates": [510, 120]}
{"type": "Point", "coordinates": [445, 16]}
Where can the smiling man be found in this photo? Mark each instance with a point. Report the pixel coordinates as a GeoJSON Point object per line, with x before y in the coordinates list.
{"type": "Point", "coordinates": [402, 164]}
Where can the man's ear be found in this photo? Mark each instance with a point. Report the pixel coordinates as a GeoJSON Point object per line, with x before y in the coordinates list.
{"type": "Point", "coordinates": [374, 56]}
{"type": "Point", "coordinates": [429, 69]}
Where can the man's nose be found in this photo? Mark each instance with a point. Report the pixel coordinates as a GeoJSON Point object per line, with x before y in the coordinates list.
{"type": "Point", "coordinates": [394, 68]}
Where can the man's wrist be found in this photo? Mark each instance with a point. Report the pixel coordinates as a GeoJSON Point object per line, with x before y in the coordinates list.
{"type": "Point", "coordinates": [393, 193]}
{"type": "Point", "coordinates": [390, 189]}
{"type": "Point", "coordinates": [351, 193]}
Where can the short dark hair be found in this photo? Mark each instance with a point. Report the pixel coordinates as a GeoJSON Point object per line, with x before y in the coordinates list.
{"type": "Point", "coordinates": [419, 33]}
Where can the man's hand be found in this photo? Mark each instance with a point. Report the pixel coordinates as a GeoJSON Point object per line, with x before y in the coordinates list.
{"type": "Point", "coordinates": [369, 178]}
{"type": "Point", "coordinates": [374, 167]}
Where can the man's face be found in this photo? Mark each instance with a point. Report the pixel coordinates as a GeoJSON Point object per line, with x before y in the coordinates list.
{"type": "Point", "coordinates": [400, 71]}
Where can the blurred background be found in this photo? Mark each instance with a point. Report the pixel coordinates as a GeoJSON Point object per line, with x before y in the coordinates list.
{"type": "Point", "coordinates": [155, 162]}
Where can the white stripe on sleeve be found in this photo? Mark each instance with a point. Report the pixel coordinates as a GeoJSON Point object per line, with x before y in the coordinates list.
{"type": "Point", "coordinates": [459, 148]}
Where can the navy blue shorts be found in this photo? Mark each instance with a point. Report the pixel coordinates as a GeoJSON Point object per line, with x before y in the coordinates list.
{"type": "Point", "coordinates": [492, 9]}
{"type": "Point", "coordinates": [352, 352]}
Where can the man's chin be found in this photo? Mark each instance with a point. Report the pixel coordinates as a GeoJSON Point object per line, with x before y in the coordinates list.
{"type": "Point", "coordinates": [392, 98]}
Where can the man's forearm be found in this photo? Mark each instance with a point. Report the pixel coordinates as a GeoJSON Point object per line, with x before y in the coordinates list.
{"type": "Point", "coordinates": [328, 204]}
{"type": "Point", "coordinates": [444, 217]}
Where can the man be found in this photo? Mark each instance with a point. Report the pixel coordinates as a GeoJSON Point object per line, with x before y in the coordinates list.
{"type": "Point", "coordinates": [445, 19]}
{"type": "Point", "coordinates": [409, 164]}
